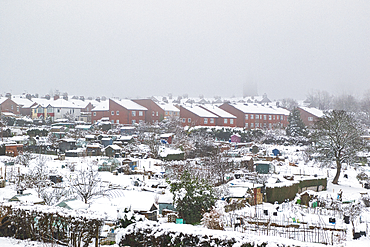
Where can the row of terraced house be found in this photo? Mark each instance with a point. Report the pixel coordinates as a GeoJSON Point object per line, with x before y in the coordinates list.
{"type": "Point", "coordinates": [127, 111]}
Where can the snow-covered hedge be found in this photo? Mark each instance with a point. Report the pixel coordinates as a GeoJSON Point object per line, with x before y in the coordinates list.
{"type": "Point", "coordinates": [169, 234]}
{"type": "Point", "coordinates": [48, 224]}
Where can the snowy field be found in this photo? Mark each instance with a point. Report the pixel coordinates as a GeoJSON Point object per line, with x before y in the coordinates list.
{"type": "Point", "coordinates": [143, 194]}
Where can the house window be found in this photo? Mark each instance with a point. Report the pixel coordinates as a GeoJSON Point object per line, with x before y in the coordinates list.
{"type": "Point", "coordinates": [58, 110]}
{"type": "Point", "coordinates": [257, 116]}
{"type": "Point", "coordinates": [270, 117]}
{"type": "Point", "coordinates": [246, 125]}
{"type": "Point", "coordinates": [117, 113]}
{"type": "Point", "coordinates": [183, 120]}
{"type": "Point", "coordinates": [189, 120]}
{"type": "Point", "coordinates": [133, 113]}
{"type": "Point", "coordinates": [264, 117]}
{"type": "Point", "coordinates": [112, 121]}
{"type": "Point", "coordinates": [270, 126]}
{"type": "Point", "coordinates": [264, 125]}
{"type": "Point", "coordinates": [246, 116]}
{"type": "Point", "coordinates": [257, 125]}
{"type": "Point", "coordinates": [94, 114]}
{"type": "Point", "coordinates": [11, 107]}
{"type": "Point", "coordinates": [117, 121]}
{"type": "Point", "coordinates": [17, 108]}
{"type": "Point", "coordinates": [112, 113]}
{"type": "Point", "coordinates": [156, 114]}
{"type": "Point", "coordinates": [212, 120]}
{"type": "Point", "coordinates": [231, 121]}
{"type": "Point", "coordinates": [206, 121]}
{"type": "Point", "coordinates": [281, 117]}
{"type": "Point", "coordinates": [225, 120]}
{"type": "Point", "coordinates": [153, 113]}
{"type": "Point", "coordinates": [310, 119]}
{"type": "Point", "coordinates": [251, 125]}
{"type": "Point", "coordinates": [94, 121]}
{"type": "Point", "coordinates": [252, 116]}
{"type": "Point", "coordinates": [133, 121]}
{"type": "Point", "coordinates": [140, 113]}
{"type": "Point", "coordinates": [140, 121]}
{"type": "Point", "coordinates": [274, 117]}
{"type": "Point", "coordinates": [39, 110]}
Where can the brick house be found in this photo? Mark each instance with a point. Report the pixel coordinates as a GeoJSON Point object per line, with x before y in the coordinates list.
{"type": "Point", "coordinates": [170, 110]}
{"type": "Point", "coordinates": [257, 116]}
{"type": "Point", "coordinates": [310, 115]}
{"type": "Point", "coordinates": [154, 114]}
{"type": "Point", "coordinates": [24, 104]}
{"type": "Point", "coordinates": [224, 118]}
{"type": "Point", "coordinates": [100, 111]}
{"type": "Point", "coordinates": [126, 111]}
{"type": "Point", "coordinates": [8, 105]}
{"type": "Point", "coordinates": [196, 116]}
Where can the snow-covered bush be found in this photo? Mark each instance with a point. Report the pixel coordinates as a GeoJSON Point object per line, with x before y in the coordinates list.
{"type": "Point", "coordinates": [213, 219]}
{"type": "Point", "coordinates": [128, 217]}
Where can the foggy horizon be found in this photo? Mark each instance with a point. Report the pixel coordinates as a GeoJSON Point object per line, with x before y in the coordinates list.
{"type": "Point", "coordinates": [287, 49]}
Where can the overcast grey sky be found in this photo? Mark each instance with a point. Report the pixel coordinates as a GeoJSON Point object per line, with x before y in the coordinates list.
{"type": "Point", "coordinates": [144, 48]}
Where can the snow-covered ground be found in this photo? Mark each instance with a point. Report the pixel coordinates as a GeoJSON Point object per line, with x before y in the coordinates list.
{"type": "Point", "coordinates": [138, 191]}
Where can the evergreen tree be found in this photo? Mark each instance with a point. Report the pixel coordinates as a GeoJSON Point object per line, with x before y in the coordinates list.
{"type": "Point", "coordinates": [296, 127]}
{"type": "Point", "coordinates": [192, 197]}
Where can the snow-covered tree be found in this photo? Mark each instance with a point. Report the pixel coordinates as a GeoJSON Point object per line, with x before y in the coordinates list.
{"type": "Point", "coordinates": [86, 183]}
{"type": "Point", "coordinates": [192, 197]}
{"type": "Point", "coordinates": [296, 127]}
{"type": "Point", "coordinates": [337, 136]}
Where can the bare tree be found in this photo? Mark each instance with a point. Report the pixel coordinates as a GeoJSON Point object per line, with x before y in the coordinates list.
{"type": "Point", "coordinates": [53, 195]}
{"type": "Point", "coordinates": [289, 103]}
{"type": "Point", "coordinates": [319, 99]}
{"type": "Point", "coordinates": [337, 136]}
{"type": "Point", "coordinates": [86, 183]}
{"type": "Point", "coordinates": [345, 102]}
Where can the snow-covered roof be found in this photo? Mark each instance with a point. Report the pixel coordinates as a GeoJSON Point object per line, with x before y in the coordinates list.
{"type": "Point", "coordinates": [102, 106]}
{"type": "Point", "coordinates": [197, 110]}
{"type": "Point", "coordinates": [218, 111]}
{"type": "Point", "coordinates": [260, 109]}
{"type": "Point", "coordinates": [169, 107]}
{"type": "Point", "coordinates": [314, 111]}
{"type": "Point", "coordinates": [22, 101]}
{"type": "Point", "coordinates": [114, 147]}
{"type": "Point", "coordinates": [129, 104]}
{"type": "Point", "coordinates": [2, 99]}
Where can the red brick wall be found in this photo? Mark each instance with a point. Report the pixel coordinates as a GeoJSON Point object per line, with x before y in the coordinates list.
{"type": "Point", "coordinates": [98, 115]}
{"type": "Point", "coordinates": [195, 119]}
{"type": "Point", "coordinates": [237, 113]}
{"type": "Point", "coordinates": [262, 122]}
{"type": "Point", "coordinates": [125, 116]}
{"type": "Point", "coordinates": [154, 113]}
{"type": "Point", "coordinates": [305, 115]}
{"type": "Point", "coordinates": [10, 106]}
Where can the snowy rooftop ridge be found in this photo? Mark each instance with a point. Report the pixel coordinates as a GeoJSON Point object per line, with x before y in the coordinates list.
{"type": "Point", "coordinates": [129, 104]}
{"type": "Point", "coordinates": [199, 111]}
